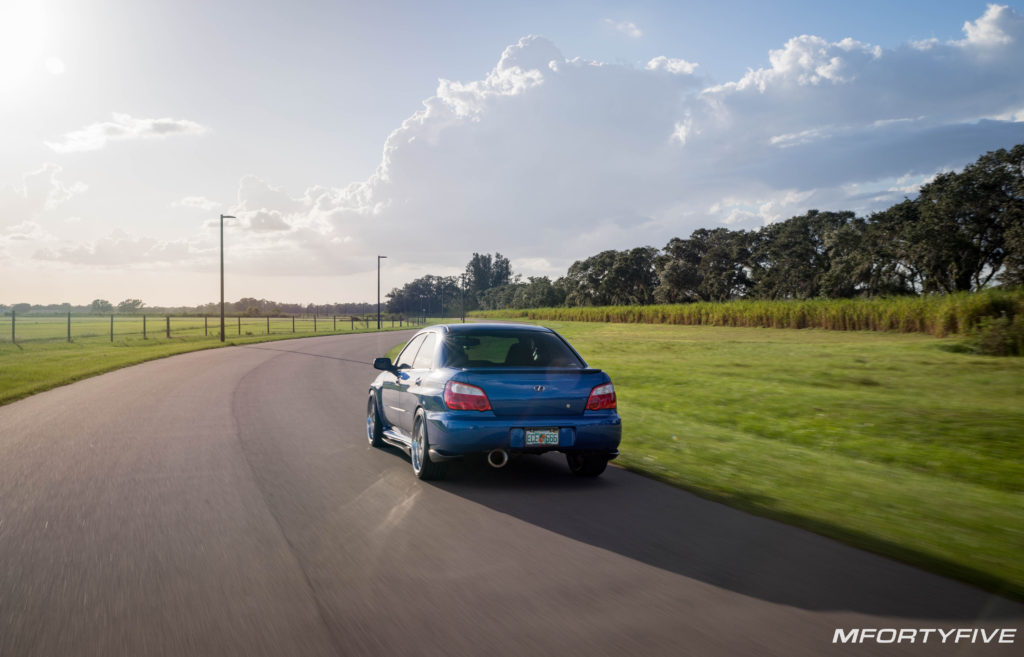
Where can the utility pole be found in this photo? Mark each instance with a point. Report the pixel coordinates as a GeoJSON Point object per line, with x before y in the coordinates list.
{"type": "Point", "coordinates": [378, 290]}
{"type": "Point", "coordinates": [222, 218]}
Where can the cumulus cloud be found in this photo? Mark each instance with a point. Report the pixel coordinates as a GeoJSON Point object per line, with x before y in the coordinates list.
{"type": "Point", "coordinates": [123, 128]}
{"type": "Point", "coordinates": [626, 27]}
{"type": "Point", "coordinates": [548, 159]}
{"type": "Point", "coordinates": [676, 66]}
{"type": "Point", "coordinates": [999, 26]}
{"type": "Point", "coordinates": [38, 191]}
{"type": "Point", "coordinates": [555, 158]}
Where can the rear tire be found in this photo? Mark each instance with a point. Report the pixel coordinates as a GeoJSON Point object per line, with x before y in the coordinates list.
{"type": "Point", "coordinates": [419, 452]}
{"type": "Point", "coordinates": [586, 465]}
{"type": "Point", "coordinates": [374, 430]}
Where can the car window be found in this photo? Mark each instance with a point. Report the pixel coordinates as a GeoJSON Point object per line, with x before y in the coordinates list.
{"type": "Point", "coordinates": [508, 348]}
{"type": "Point", "coordinates": [409, 353]}
{"type": "Point", "coordinates": [425, 357]}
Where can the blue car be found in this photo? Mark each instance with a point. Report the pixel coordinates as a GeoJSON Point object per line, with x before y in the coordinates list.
{"type": "Point", "coordinates": [493, 389]}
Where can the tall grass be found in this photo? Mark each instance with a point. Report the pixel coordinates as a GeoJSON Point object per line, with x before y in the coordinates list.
{"type": "Point", "coordinates": [938, 315]}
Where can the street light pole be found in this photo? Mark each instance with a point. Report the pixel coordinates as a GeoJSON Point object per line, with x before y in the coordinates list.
{"type": "Point", "coordinates": [378, 290]}
{"type": "Point", "coordinates": [222, 218]}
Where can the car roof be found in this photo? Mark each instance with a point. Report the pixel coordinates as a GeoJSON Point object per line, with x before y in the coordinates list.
{"type": "Point", "coordinates": [483, 327]}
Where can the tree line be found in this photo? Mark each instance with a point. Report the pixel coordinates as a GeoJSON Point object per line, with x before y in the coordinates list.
{"type": "Point", "coordinates": [246, 306]}
{"type": "Point", "coordinates": [964, 231]}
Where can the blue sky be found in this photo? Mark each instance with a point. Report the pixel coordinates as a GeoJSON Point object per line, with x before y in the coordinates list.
{"type": "Point", "coordinates": [427, 131]}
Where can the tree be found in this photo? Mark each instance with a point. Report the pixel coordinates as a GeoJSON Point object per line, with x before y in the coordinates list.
{"type": "Point", "coordinates": [101, 306]}
{"type": "Point", "coordinates": [678, 270]}
{"type": "Point", "coordinates": [632, 279]}
{"type": "Point", "coordinates": [584, 282]}
{"type": "Point", "coordinates": [130, 306]}
{"type": "Point", "coordinates": [1012, 163]}
{"type": "Point", "coordinates": [427, 294]}
{"type": "Point", "coordinates": [612, 277]}
{"type": "Point", "coordinates": [894, 268]}
{"type": "Point", "coordinates": [967, 224]}
{"type": "Point", "coordinates": [709, 266]}
{"type": "Point", "coordinates": [539, 292]}
{"type": "Point", "coordinates": [484, 272]}
{"type": "Point", "coordinates": [789, 259]}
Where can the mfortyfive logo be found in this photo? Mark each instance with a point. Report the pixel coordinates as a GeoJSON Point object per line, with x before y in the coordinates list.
{"type": "Point", "coordinates": [932, 635]}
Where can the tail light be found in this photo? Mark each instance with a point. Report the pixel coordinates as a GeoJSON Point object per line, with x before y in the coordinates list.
{"type": "Point", "coordinates": [464, 397]}
{"type": "Point", "coordinates": [602, 398]}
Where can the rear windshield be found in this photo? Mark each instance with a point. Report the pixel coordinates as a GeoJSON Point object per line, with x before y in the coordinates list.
{"type": "Point", "coordinates": [508, 348]}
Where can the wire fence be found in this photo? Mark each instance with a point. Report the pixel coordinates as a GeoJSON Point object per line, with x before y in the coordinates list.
{"type": "Point", "coordinates": [70, 327]}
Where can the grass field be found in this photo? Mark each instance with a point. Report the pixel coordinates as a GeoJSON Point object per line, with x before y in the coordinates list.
{"type": "Point", "coordinates": [42, 358]}
{"type": "Point", "coordinates": [33, 328]}
{"type": "Point", "coordinates": [891, 442]}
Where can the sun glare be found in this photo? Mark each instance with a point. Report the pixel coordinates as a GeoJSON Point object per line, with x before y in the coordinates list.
{"type": "Point", "coordinates": [23, 38]}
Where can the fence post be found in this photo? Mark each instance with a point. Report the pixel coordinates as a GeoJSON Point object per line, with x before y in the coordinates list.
{"type": "Point", "coordinates": [314, 323]}
{"type": "Point", "coordinates": [168, 326]}
{"type": "Point", "coordinates": [143, 327]}
{"type": "Point", "coordinates": [335, 323]}
{"type": "Point", "coordinates": [206, 328]}
{"type": "Point", "coordinates": [293, 323]}
{"type": "Point", "coordinates": [69, 327]}
{"type": "Point", "coordinates": [268, 324]}
{"type": "Point", "coordinates": [239, 325]}
{"type": "Point", "coordinates": [13, 314]}
{"type": "Point", "coordinates": [111, 328]}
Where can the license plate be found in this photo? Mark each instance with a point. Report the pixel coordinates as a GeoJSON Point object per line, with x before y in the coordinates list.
{"type": "Point", "coordinates": [541, 437]}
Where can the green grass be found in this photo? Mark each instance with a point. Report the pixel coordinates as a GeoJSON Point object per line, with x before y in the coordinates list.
{"type": "Point", "coordinates": [33, 328]}
{"type": "Point", "coordinates": [938, 315]}
{"type": "Point", "coordinates": [43, 359]}
{"type": "Point", "coordinates": [891, 442]}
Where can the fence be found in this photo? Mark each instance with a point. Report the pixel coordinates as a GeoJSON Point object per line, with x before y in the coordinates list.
{"type": "Point", "coordinates": [16, 328]}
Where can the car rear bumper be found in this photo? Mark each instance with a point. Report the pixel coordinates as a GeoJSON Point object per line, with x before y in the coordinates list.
{"type": "Point", "coordinates": [454, 434]}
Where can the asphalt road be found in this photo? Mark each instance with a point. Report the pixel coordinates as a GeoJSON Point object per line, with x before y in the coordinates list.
{"type": "Point", "coordinates": [226, 503]}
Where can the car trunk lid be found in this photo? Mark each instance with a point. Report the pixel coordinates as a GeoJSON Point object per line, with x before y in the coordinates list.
{"type": "Point", "coordinates": [522, 392]}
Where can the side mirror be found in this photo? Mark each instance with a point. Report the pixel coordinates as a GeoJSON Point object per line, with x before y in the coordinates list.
{"type": "Point", "coordinates": [383, 364]}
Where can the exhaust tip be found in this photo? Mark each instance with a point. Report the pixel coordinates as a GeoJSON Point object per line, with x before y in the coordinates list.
{"type": "Point", "coordinates": [497, 458]}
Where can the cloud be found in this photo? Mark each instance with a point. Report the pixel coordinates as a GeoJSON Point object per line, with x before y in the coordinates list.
{"type": "Point", "coordinates": [556, 158]}
{"type": "Point", "coordinates": [626, 27]}
{"type": "Point", "coordinates": [550, 159]}
{"type": "Point", "coordinates": [39, 191]}
{"type": "Point", "coordinates": [999, 26]}
{"type": "Point", "coordinates": [267, 221]}
{"type": "Point", "coordinates": [197, 203]}
{"type": "Point", "coordinates": [123, 128]}
{"type": "Point", "coordinates": [120, 249]}
{"type": "Point", "coordinates": [675, 66]}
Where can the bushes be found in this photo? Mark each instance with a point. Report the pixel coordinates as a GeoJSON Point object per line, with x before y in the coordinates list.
{"type": "Point", "coordinates": [999, 336]}
{"type": "Point", "coordinates": [939, 315]}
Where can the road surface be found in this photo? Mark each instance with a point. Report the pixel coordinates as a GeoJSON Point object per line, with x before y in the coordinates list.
{"type": "Point", "coordinates": [226, 502]}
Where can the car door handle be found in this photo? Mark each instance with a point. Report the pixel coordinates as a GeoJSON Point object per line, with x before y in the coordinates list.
{"type": "Point", "coordinates": [418, 381]}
